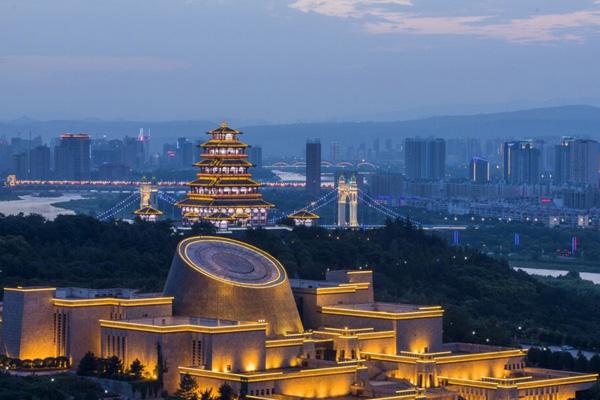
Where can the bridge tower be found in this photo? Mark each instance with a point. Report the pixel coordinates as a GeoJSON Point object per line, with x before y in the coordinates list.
{"type": "Point", "coordinates": [146, 211]}
{"type": "Point", "coordinates": [347, 195]}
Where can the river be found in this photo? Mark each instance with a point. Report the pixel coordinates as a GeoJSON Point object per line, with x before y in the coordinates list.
{"type": "Point", "coordinates": [588, 276]}
{"type": "Point", "coordinates": [38, 205]}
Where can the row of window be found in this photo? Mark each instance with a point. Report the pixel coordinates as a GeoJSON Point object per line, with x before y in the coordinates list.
{"type": "Point", "coordinates": [515, 366]}
{"type": "Point", "coordinates": [261, 392]}
{"type": "Point", "coordinates": [208, 211]}
{"type": "Point", "coordinates": [540, 391]}
{"type": "Point", "coordinates": [197, 353]}
{"type": "Point", "coordinates": [60, 330]}
{"type": "Point", "coordinates": [116, 346]}
{"type": "Point", "coordinates": [225, 150]}
{"type": "Point", "coordinates": [226, 190]}
{"type": "Point", "coordinates": [220, 136]}
{"type": "Point", "coordinates": [224, 170]}
{"type": "Point", "coordinates": [117, 315]}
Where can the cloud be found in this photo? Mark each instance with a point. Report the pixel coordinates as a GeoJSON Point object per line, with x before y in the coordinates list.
{"type": "Point", "coordinates": [539, 28]}
{"type": "Point", "coordinates": [346, 8]}
{"type": "Point", "coordinates": [24, 63]}
{"type": "Point", "coordinates": [380, 16]}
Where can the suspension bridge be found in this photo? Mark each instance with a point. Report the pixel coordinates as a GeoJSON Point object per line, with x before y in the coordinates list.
{"type": "Point", "coordinates": [345, 195]}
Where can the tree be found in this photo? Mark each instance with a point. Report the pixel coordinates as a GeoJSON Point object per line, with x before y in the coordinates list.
{"type": "Point", "coordinates": [188, 388]}
{"type": "Point", "coordinates": [595, 363]}
{"type": "Point", "coordinates": [203, 228]}
{"type": "Point", "coordinates": [581, 363]}
{"type": "Point", "coordinates": [137, 369]}
{"type": "Point", "coordinates": [113, 367]}
{"type": "Point", "coordinates": [88, 365]}
{"type": "Point", "coordinates": [160, 368]}
{"type": "Point", "coordinates": [225, 392]}
{"type": "Point", "coordinates": [206, 395]}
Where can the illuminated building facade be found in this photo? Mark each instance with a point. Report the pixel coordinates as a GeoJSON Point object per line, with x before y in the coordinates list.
{"type": "Point", "coordinates": [147, 212]}
{"type": "Point", "coordinates": [347, 195]}
{"type": "Point", "coordinates": [479, 170]}
{"type": "Point", "coordinates": [72, 156]}
{"type": "Point", "coordinates": [304, 218]}
{"type": "Point", "coordinates": [224, 184]}
{"type": "Point", "coordinates": [229, 314]}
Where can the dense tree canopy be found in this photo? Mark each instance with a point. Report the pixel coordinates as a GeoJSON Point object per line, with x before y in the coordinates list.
{"type": "Point", "coordinates": [480, 294]}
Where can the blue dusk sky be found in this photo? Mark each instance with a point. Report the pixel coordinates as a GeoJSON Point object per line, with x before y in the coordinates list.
{"type": "Point", "coordinates": [294, 60]}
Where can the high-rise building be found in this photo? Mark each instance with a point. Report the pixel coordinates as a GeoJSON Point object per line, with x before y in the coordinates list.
{"type": "Point", "coordinates": [521, 163]}
{"type": "Point", "coordinates": [387, 186]}
{"type": "Point", "coordinates": [376, 146]}
{"type": "Point", "coordinates": [106, 152]}
{"type": "Point", "coordinates": [185, 152]}
{"type": "Point", "coordinates": [576, 162]}
{"type": "Point", "coordinates": [436, 159]}
{"type": "Point", "coordinates": [169, 158]}
{"type": "Point", "coordinates": [425, 158]}
{"type": "Point", "coordinates": [133, 153]}
{"type": "Point", "coordinates": [584, 162]}
{"type": "Point", "coordinates": [479, 170]}
{"type": "Point", "coordinates": [415, 158]}
{"type": "Point", "coordinates": [473, 148]}
{"type": "Point", "coordinates": [313, 167]}
{"type": "Point", "coordinates": [562, 161]}
{"type": "Point", "coordinates": [335, 152]}
{"type": "Point", "coordinates": [224, 191]}
{"type": "Point", "coordinates": [39, 163]}
{"type": "Point", "coordinates": [4, 154]}
{"type": "Point", "coordinates": [255, 156]}
{"type": "Point", "coordinates": [72, 156]}
{"type": "Point", "coordinates": [20, 165]}
{"type": "Point", "coordinates": [144, 138]}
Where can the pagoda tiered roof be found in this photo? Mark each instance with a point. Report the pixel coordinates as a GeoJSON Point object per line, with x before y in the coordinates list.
{"type": "Point", "coordinates": [219, 216]}
{"type": "Point", "coordinates": [148, 210]}
{"type": "Point", "coordinates": [223, 143]}
{"type": "Point", "coordinates": [223, 130]}
{"type": "Point", "coordinates": [303, 214]}
{"type": "Point", "coordinates": [224, 184]}
{"type": "Point", "coordinates": [224, 163]}
{"type": "Point", "coordinates": [224, 202]}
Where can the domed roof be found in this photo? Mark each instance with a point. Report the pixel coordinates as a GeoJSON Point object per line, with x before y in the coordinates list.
{"type": "Point", "coordinates": [222, 278]}
{"type": "Point", "coordinates": [232, 261]}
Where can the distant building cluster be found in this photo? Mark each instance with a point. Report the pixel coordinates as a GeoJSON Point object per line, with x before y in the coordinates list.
{"type": "Point", "coordinates": [79, 156]}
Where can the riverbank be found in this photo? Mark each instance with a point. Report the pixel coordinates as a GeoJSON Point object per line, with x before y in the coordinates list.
{"type": "Point", "coordinates": [555, 273]}
{"type": "Point", "coordinates": [44, 206]}
{"type": "Point", "coordinates": [565, 264]}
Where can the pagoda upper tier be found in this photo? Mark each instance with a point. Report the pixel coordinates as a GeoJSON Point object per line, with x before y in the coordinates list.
{"type": "Point", "coordinates": [224, 185]}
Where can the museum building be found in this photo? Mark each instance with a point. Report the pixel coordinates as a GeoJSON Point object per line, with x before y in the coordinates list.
{"type": "Point", "coordinates": [229, 314]}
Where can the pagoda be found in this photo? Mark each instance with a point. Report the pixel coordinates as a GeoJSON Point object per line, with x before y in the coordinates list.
{"type": "Point", "coordinates": [224, 191]}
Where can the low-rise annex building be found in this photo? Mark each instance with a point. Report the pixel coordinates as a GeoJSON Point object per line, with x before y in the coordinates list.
{"type": "Point", "coordinates": [229, 314]}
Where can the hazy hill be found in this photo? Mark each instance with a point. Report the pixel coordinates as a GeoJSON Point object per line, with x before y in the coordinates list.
{"type": "Point", "coordinates": [289, 139]}
{"type": "Point", "coordinates": [555, 121]}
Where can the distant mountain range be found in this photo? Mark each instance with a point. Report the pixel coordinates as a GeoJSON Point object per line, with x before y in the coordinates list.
{"type": "Point", "coordinates": [289, 139]}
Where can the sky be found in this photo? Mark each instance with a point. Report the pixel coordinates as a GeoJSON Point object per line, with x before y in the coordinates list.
{"type": "Point", "coordinates": [294, 60]}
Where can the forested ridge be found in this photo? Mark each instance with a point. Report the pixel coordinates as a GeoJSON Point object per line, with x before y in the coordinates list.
{"type": "Point", "coordinates": [480, 294]}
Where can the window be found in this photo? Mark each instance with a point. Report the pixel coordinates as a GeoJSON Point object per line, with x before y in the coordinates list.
{"type": "Point", "coordinates": [197, 358]}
